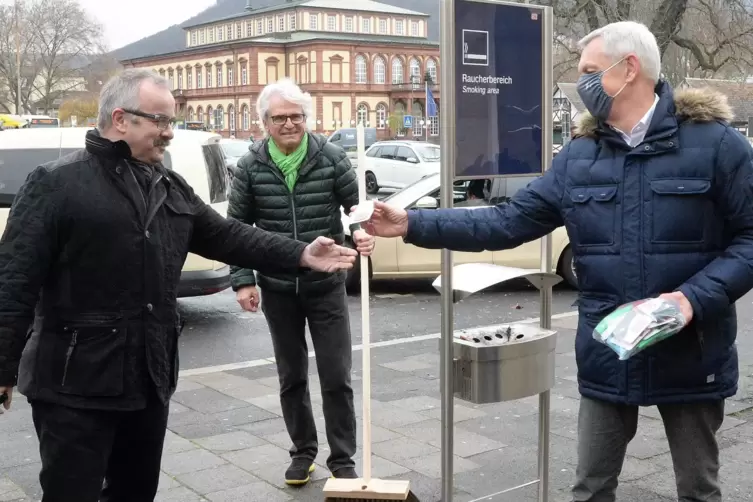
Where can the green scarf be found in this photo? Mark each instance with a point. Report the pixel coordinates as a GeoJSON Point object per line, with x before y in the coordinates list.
{"type": "Point", "coordinates": [289, 164]}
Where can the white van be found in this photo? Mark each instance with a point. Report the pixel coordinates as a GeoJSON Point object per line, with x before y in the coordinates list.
{"type": "Point", "coordinates": [195, 155]}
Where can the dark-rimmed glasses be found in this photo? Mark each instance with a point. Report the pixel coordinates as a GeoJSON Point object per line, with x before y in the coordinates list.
{"type": "Point", "coordinates": [296, 118]}
{"type": "Point", "coordinates": [161, 121]}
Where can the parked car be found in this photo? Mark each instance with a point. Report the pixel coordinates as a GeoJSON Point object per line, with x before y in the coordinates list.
{"type": "Point", "coordinates": [394, 259]}
{"type": "Point", "coordinates": [195, 155]}
{"type": "Point", "coordinates": [233, 149]}
{"type": "Point", "coordinates": [397, 164]}
{"type": "Point", "coordinates": [347, 140]}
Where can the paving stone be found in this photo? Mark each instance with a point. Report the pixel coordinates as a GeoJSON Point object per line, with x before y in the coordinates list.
{"type": "Point", "coordinates": [181, 494]}
{"type": "Point", "coordinates": [192, 425]}
{"type": "Point", "coordinates": [270, 403]}
{"type": "Point", "coordinates": [381, 467]}
{"type": "Point", "coordinates": [650, 441]}
{"type": "Point", "coordinates": [265, 427]}
{"type": "Point", "coordinates": [403, 448]}
{"type": "Point", "coordinates": [419, 403]}
{"type": "Point", "coordinates": [217, 479]}
{"type": "Point", "coordinates": [460, 413]}
{"type": "Point", "coordinates": [176, 408]}
{"type": "Point", "coordinates": [378, 434]}
{"type": "Point", "coordinates": [251, 459]}
{"type": "Point", "coordinates": [208, 401]}
{"type": "Point", "coordinates": [190, 461]}
{"type": "Point", "coordinates": [274, 474]}
{"type": "Point", "coordinates": [187, 384]}
{"type": "Point", "coordinates": [430, 465]}
{"type": "Point", "coordinates": [18, 448]}
{"type": "Point", "coordinates": [166, 482]}
{"type": "Point", "coordinates": [176, 444]}
{"type": "Point", "coordinates": [241, 416]}
{"type": "Point", "coordinates": [234, 386]}
{"type": "Point", "coordinates": [231, 441]}
{"type": "Point", "coordinates": [27, 477]}
{"type": "Point", "coordinates": [273, 382]}
{"type": "Point", "coordinates": [17, 419]}
{"type": "Point", "coordinates": [427, 489]}
{"type": "Point", "coordinates": [391, 417]}
{"type": "Point", "coordinates": [10, 491]}
{"type": "Point", "coordinates": [407, 365]}
{"type": "Point", "coordinates": [258, 492]}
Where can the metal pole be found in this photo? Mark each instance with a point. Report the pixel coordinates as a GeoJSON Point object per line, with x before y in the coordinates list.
{"type": "Point", "coordinates": [447, 169]}
{"type": "Point", "coordinates": [546, 250]}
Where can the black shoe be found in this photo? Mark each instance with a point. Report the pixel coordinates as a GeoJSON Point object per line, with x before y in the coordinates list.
{"type": "Point", "coordinates": [345, 473]}
{"type": "Point", "coordinates": [299, 471]}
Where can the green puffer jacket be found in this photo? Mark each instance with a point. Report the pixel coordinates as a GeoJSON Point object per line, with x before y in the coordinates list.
{"type": "Point", "coordinates": [326, 182]}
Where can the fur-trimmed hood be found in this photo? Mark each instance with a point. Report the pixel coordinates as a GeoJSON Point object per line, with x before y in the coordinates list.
{"type": "Point", "coordinates": [690, 105]}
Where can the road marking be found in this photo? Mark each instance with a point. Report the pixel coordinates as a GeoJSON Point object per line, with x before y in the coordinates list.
{"type": "Point", "coordinates": [386, 343]}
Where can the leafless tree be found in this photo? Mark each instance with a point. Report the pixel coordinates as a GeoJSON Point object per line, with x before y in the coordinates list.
{"type": "Point", "coordinates": [696, 37]}
{"type": "Point", "coordinates": [57, 41]}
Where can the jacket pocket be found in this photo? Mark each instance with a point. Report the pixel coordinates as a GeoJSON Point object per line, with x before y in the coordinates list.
{"type": "Point", "coordinates": [89, 359]}
{"type": "Point", "coordinates": [594, 214]}
{"type": "Point", "coordinates": [678, 211]}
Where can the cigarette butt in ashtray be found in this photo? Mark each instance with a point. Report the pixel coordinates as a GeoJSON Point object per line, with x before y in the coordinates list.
{"type": "Point", "coordinates": [363, 212]}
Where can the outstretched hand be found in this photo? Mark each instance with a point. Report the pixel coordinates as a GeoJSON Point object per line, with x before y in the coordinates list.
{"type": "Point", "coordinates": [386, 221]}
{"type": "Point", "coordinates": [324, 255]}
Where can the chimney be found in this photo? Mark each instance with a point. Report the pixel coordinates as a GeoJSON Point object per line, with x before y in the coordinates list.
{"type": "Point", "coordinates": [248, 5]}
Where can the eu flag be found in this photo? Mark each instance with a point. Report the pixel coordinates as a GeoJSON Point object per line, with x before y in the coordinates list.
{"type": "Point", "coordinates": [431, 105]}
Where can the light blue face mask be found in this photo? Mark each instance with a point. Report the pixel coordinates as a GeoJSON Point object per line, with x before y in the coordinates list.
{"type": "Point", "coordinates": [591, 91]}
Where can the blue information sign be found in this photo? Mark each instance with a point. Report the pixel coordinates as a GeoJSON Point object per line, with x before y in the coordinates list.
{"type": "Point", "coordinates": [407, 121]}
{"type": "Point", "coordinates": [499, 95]}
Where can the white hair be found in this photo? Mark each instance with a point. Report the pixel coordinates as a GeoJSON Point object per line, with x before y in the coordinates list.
{"type": "Point", "coordinates": [629, 37]}
{"type": "Point", "coordinates": [122, 91]}
{"type": "Point", "coordinates": [288, 90]}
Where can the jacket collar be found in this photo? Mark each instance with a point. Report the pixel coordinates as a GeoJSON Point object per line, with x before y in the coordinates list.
{"type": "Point", "coordinates": [673, 109]}
{"type": "Point", "coordinates": [114, 151]}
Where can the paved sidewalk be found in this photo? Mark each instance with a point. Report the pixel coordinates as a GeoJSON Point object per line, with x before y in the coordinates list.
{"type": "Point", "coordinates": [227, 441]}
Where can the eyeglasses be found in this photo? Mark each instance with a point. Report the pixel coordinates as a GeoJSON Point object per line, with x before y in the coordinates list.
{"type": "Point", "coordinates": [162, 121]}
{"type": "Point", "coordinates": [296, 118]}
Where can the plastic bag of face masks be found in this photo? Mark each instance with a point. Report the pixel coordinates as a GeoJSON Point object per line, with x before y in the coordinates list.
{"type": "Point", "coordinates": [640, 324]}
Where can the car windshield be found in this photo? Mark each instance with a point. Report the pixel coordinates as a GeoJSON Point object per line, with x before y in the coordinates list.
{"type": "Point", "coordinates": [235, 148]}
{"type": "Point", "coordinates": [428, 153]}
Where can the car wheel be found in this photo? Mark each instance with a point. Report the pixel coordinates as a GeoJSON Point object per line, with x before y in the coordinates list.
{"type": "Point", "coordinates": [566, 268]}
{"type": "Point", "coordinates": [372, 187]}
{"type": "Point", "coordinates": [353, 279]}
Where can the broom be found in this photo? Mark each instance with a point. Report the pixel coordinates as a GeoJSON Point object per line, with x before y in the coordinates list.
{"type": "Point", "coordinates": [366, 488]}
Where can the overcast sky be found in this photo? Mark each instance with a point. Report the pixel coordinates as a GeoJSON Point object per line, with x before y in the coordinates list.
{"type": "Point", "coordinates": [126, 22]}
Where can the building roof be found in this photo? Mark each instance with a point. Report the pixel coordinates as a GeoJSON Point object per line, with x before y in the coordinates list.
{"type": "Point", "coordinates": [173, 39]}
{"type": "Point", "coordinates": [739, 94]}
{"type": "Point", "coordinates": [349, 5]}
{"type": "Point", "coordinates": [570, 91]}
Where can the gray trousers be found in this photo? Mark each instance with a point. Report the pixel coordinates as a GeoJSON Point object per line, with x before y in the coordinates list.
{"type": "Point", "coordinates": [605, 429]}
{"type": "Point", "coordinates": [329, 325]}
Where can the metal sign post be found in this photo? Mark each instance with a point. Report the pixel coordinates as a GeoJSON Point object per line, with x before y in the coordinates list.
{"type": "Point", "coordinates": [496, 116]}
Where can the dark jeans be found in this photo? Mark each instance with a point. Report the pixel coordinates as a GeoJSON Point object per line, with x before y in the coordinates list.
{"type": "Point", "coordinates": [605, 429]}
{"type": "Point", "coordinates": [327, 316]}
{"type": "Point", "coordinates": [81, 449]}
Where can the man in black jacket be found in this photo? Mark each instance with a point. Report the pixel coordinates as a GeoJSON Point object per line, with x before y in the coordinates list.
{"type": "Point", "coordinates": [96, 242]}
{"type": "Point", "coordinates": [294, 183]}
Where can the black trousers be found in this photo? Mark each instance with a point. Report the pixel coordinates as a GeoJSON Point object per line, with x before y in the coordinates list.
{"type": "Point", "coordinates": [329, 324]}
{"type": "Point", "coordinates": [99, 456]}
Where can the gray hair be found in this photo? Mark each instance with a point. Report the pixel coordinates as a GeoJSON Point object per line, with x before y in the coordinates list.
{"type": "Point", "coordinates": [288, 90]}
{"type": "Point", "coordinates": [122, 91]}
{"type": "Point", "coordinates": [626, 37]}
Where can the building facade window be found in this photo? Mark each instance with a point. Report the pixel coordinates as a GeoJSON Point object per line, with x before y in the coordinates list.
{"type": "Point", "coordinates": [230, 80]}
{"type": "Point", "coordinates": [331, 23]}
{"type": "Point", "coordinates": [239, 31]}
{"type": "Point", "coordinates": [219, 76]}
{"type": "Point", "coordinates": [219, 118]}
{"type": "Point", "coordinates": [349, 24]}
{"type": "Point", "coordinates": [200, 114]}
{"type": "Point", "coordinates": [281, 23]}
{"type": "Point", "coordinates": [244, 118]}
{"type": "Point", "coordinates": [397, 71]}
{"type": "Point", "coordinates": [229, 31]}
{"type": "Point", "coordinates": [414, 28]}
{"type": "Point", "coordinates": [209, 121]}
{"type": "Point", "coordinates": [313, 21]}
{"type": "Point", "coordinates": [270, 25]}
{"type": "Point", "coordinates": [231, 118]}
{"type": "Point", "coordinates": [180, 79]}
{"type": "Point", "coordinates": [209, 78]}
{"type": "Point", "coordinates": [362, 114]}
{"type": "Point", "coordinates": [193, 38]}
{"type": "Point", "coordinates": [190, 114]}
{"type": "Point", "coordinates": [418, 117]}
{"type": "Point", "coordinates": [381, 116]}
{"type": "Point", "coordinates": [399, 27]}
{"type": "Point", "coordinates": [434, 126]}
{"type": "Point", "coordinates": [415, 73]}
{"type": "Point", "coordinates": [291, 22]}
{"type": "Point", "coordinates": [220, 34]}
{"type": "Point", "coordinates": [361, 70]}
{"type": "Point", "coordinates": [199, 84]}
{"type": "Point", "coordinates": [249, 29]}
{"type": "Point", "coordinates": [383, 26]}
{"type": "Point", "coordinates": [171, 79]}
{"type": "Point", "coordinates": [244, 74]}
{"type": "Point", "coordinates": [380, 71]}
{"type": "Point", "coordinates": [201, 36]}
{"type": "Point", "coordinates": [259, 27]}
{"type": "Point", "coordinates": [365, 25]}
{"type": "Point", "coordinates": [431, 69]}
{"type": "Point", "coordinates": [189, 78]}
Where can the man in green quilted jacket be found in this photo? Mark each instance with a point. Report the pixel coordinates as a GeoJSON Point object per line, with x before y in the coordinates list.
{"type": "Point", "coordinates": [294, 183]}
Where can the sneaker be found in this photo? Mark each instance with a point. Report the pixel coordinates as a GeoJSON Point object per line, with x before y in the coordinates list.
{"type": "Point", "coordinates": [345, 473]}
{"type": "Point", "coordinates": [299, 471]}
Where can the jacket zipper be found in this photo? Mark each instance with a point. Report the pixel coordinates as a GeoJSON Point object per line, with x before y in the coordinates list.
{"type": "Point", "coordinates": [295, 233]}
{"type": "Point", "coordinates": [68, 354]}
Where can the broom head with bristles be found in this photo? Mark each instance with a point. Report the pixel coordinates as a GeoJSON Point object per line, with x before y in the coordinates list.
{"type": "Point", "coordinates": [346, 490]}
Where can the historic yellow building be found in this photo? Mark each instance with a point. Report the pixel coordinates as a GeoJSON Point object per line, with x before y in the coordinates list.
{"type": "Point", "coordinates": [359, 59]}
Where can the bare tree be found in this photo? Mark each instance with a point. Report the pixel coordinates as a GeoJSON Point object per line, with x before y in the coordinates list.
{"type": "Point", "coordinates": [696, 37]}
{"type": "Point", "coordinates": [58, 42]}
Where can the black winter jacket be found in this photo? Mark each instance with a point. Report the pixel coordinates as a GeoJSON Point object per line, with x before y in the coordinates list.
{"type": "Point", "coordinates": [326, 182]}
{"type": "Point", "coordinates": [107, 264]}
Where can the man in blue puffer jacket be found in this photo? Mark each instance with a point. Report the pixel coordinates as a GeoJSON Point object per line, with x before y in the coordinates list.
{"type": "Point", "coordinates": [664, 208]}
